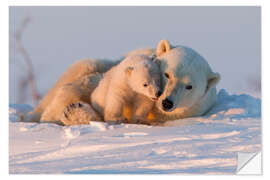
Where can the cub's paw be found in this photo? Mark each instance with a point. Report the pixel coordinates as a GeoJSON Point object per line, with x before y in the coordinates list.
{"type": "Point", "coordinates": [79, 113]}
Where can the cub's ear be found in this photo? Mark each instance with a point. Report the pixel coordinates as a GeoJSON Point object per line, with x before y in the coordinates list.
{"type": "Point", "coordinates": [129, 70]}
{"type": "Point", "coordinates": [213, 79]}
{"type": "Point", "coordinates": [163, 47]}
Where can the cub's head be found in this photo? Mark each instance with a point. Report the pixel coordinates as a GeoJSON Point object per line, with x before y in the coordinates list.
{"type": "Point", "coordinates": [144, 78]}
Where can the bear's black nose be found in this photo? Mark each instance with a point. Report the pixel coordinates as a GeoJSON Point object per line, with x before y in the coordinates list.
{"type": "Point", "coordinates": [158, 94]}
{"type": "Point", "coordinates": [167, 104]}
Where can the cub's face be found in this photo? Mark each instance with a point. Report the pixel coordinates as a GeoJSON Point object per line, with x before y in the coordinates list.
{"type": "Point", "coordinates": [144, 78]}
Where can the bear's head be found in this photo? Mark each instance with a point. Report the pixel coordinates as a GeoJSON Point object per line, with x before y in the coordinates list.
{"type": "Point", "coordinates": [186, 77]}
{"type": "Point", "coordinates": [144, 78]}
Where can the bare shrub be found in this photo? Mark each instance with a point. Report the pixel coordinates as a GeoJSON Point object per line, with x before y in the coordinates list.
{"type": "Point", "coordinates": [30, 78]}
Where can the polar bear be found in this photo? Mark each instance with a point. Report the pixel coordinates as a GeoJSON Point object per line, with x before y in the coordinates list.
{"type": "Point", "coordinates": [188, 83]}
{"type": "Point", "coordinates": [135, 83]}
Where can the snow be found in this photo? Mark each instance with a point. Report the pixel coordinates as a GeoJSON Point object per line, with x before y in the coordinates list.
{"type": "Point", "coordinates": [207, 144]}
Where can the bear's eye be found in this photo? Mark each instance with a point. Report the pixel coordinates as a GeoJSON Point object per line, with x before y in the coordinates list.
{"type": "Point", "coordinates": [145, 84]}
{"type": "Point", "coordinates": [188, 87]}
{"type": "Point", "coordinates": [167, 75]}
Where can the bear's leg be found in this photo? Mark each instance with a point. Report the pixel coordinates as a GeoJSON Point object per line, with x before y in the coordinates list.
{"type": "Point", "coordinates": [113, 108]}
{"type": "Point", "coordinates": [142, 107]}
{"type": "Point", "coordinates": [79, 113]}
{"type": "Point", "coordinates": [78, 91]}
{"type": "Point", "coordinates": [65, 95]}
{"type": "Point", "coordinates": [76, 71]}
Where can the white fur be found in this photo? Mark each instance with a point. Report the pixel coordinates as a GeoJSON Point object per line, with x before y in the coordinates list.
{"type": "Point", "coordinates": [185, 67]}
{"type": "Point", "coordinates": [74, 85]}
{"type": "Point", "coordinates": [123, 86]}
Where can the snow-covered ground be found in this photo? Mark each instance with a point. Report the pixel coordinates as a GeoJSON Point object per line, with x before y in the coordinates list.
{"type": "Point", "coordinates": [207, 144]}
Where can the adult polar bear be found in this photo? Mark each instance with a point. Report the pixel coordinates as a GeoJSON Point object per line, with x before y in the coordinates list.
{"type": "Point", "coordinates": [189, 86]}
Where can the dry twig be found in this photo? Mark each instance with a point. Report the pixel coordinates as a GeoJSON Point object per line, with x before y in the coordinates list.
{"type": "Point", "coordinates": [30, 70]}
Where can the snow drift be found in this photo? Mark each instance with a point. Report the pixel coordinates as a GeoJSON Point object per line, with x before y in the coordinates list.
{"type": "Point", "coordinates": [207, 144]}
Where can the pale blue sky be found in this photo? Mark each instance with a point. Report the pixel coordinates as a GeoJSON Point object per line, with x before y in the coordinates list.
{"type": "Point", "coordinates": [229, 38]}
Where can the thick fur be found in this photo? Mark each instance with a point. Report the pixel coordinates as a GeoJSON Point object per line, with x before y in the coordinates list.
{"type": "Point", "coordinates": [135, 82]}
{"type": "Point", "coordinates": [183, 65]}
{"type": "Point", "coordinates": [76, 92]}
{"type": "Point", "coordinates": [74, 85]}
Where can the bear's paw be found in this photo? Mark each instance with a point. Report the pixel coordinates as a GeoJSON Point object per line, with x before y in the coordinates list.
{"type": "Point", "coordinates": [79, 113]}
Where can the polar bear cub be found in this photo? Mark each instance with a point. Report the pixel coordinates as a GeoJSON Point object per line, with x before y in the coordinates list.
{"type": "Point", "coordinates": [135, 83]}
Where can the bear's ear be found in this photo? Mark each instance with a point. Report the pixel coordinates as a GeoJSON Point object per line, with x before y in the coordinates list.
{"type": "Point", "coordinates": [163, 47]}
{"type": "Point", "coordinates": [129, 70]}
{"type": "Point", "coordinates": [213, 79]}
